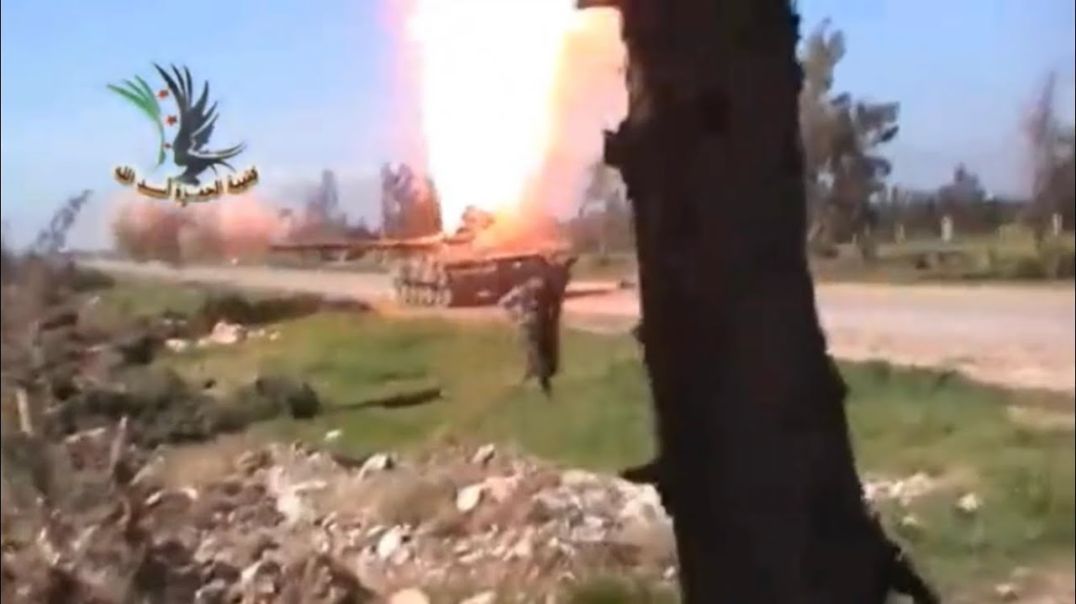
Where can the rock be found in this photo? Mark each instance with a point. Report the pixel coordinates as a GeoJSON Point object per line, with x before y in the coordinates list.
{"type": "Point", "coordinates": [1006, 592]}
{"type": "Point", "coordinates": [910, 521]}
{"type": "Point", "coordinates": [577, 478]}
{"type": "Point", "coordinates": [484, 454]}
{"type": "Point", "coordinates": [643, 504]}
{"type": "Point", "coordinates": [523, 549]}
{"type": "Point", "coordinates": [401, 556]}
{"type": "Point", "coordinates": [591, 530]}
{"type": "Point", "coordinates": [390, 542]}
{"type": "Point", "coordinates": [500, 488]}
{"type": "Point", "coordinates": [469, 497]}
{"type": "Point", "coordinates": [289, 500]}
{"type": "Point", "coordinates": [212, 592]}
{"type": "Point", "coordinates": [252, 461]}
{"type": "Point", "coordinates": [969, 503]}
{"type": "Point", "coordinates": [177, 345]}
{"type": "Point", "coordinates": [378, 462]}
{"type": "Point", "coordinates": [333, 435]}
{"type": "Point", "coordinates": [260, 579]}
{"type": "Point", "coordinates": [486, 597]}
{"type": "Point", "coordinates": [412, 595]}
{"type": "Point", "coordinates": [903, 490]}
{"type": "Point", "coordinates": [226, 334]}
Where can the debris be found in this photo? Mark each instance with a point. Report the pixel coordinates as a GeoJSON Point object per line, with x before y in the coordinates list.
{"type": "Point", "coordinates": [969, 503]}
{"type": "Point", "coordinates": [333, 435]}
{"type": "Point", "coordinates": [226, 334]}
{"type": "Point", "coordinates": [902, 490]}
{"type": "Point", "coordinates": [469, 497]}
{"type": "Point", "coordinates": [500, 488]}
{"type": "Point", "coordinates": [409, 596]}
{"type": "Point", "coordinates": [1006, 591]}
{"type": "Point", "coordinates": [390, 542]}
{"type": "Point", "coordinates": [484, 454]}
{"type": "Point", "coordinates": [177, 345]}
{"type": "Point", "coordinates": [26, 422]}
{"type": "Point", "coordinates": [378, 462]}
{"type": "Point", "coordinates": [486, 597]}
{"type": "Point", "coordinates": [288, 520]}
{"type": "Point", "coordinates": [910, 523]}
{"type": "Point", "coordinates": [252, 461]}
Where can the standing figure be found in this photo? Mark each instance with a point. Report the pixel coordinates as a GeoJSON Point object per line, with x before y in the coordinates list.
{"type": "Point", "coordinates": [535, 306]}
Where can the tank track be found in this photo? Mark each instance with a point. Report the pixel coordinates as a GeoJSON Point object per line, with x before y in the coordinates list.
{"type": "Point", "coordinates": [431, 282]}
{"type": "Point", "coordinates": [423, 283]}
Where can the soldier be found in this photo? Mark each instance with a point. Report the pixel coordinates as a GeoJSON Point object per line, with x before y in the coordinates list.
{"type": "Point", "coordinates": [535, 306]}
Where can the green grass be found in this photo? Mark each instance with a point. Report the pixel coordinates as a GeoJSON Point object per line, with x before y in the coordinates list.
{"type": "Point", "coordinates": [616, 265]}
{"type": "Point", "coordinates": [903, 421]}
{"type": "Point", "coordinates": [352, 358]}
{"type": "Point", "coordinates": [135, 297]}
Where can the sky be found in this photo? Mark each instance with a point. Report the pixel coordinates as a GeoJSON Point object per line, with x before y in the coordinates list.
{"type": "Point", "coordinates": [315, 85]}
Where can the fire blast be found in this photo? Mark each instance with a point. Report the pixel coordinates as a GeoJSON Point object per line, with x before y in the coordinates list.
{"type": "Point", "coordinates": [492, 74]}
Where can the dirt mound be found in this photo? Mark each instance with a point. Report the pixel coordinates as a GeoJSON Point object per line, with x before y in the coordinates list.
{"type": "Point", "coordinates": [234, 307]}
{"type": "Point", "coordinates": [290, 519]}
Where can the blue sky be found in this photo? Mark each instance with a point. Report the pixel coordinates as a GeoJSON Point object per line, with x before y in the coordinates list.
{"type": "Point", "coordinates": [310, 85]}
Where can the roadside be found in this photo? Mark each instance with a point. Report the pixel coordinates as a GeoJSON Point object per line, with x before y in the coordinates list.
{"type": "Point", "coordinates": [1017, 336]}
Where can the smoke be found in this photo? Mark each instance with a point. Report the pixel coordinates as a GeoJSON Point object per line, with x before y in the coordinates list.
{"type": "Point", "coordinates": [240, 227]}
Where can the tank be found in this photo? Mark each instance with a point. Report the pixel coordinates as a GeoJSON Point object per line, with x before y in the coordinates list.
{"type": "Point", "coordinates": [470, 269]}
{"type": "Point", "coordinates": [466, 268]}
{"type": "Point", "coordinates": [453, 279]}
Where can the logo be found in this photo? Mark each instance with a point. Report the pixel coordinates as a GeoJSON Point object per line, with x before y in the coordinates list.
{"type": "Point", "coordinates": [189, 121]}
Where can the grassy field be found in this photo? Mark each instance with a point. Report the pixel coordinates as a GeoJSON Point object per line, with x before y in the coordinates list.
{"type": "Point", "coordinates": [903, 421]}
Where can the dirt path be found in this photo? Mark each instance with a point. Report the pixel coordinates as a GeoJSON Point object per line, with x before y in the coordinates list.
{"type": "Point", "coordinates": [1009, 335]}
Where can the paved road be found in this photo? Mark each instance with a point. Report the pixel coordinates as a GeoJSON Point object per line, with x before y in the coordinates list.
{"type": "Point", "coordinates": [1017, 336]}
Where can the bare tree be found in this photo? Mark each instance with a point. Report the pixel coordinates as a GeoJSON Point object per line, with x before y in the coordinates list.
{"type": "Point", "coordinates": [962, 198]}
{"type": "Point", "coordinates": [321, 213]}
{"type": "Point", "coordinates": [605, 196]}
{"type": "Point", "coordinates": [1051, 146]}
{"type": "Point", "coordinates": [840, 135]}
{"type": "Point", "coordinates": [410, 206]}
{"type": "Point", "coordinates": [7, 260]}
{"type": "Point", "coordinates": [821, 52]}
{"type": "Point", "coordinates": [53, 238]}
{"type": "Point", "coordinates": [755, 462]}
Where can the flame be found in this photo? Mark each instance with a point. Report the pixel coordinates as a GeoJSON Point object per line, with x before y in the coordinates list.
{"type": "Point", "coordinates": [488, 85]}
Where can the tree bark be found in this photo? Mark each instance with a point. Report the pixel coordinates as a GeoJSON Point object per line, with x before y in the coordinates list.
{"type": "Point", "coordinates": [755, 462]}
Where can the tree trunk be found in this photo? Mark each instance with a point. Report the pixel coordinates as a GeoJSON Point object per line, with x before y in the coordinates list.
{"type": "Point", "coordinates": [755, 464]}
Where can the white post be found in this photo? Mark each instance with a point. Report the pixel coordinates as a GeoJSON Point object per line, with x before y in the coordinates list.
{"type": "Point", "coordinates": [947, 228]}
{"type": "Point", "coordinates": [1056, 224]}
{"type": "Point", "coordinates": [22, 404]}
